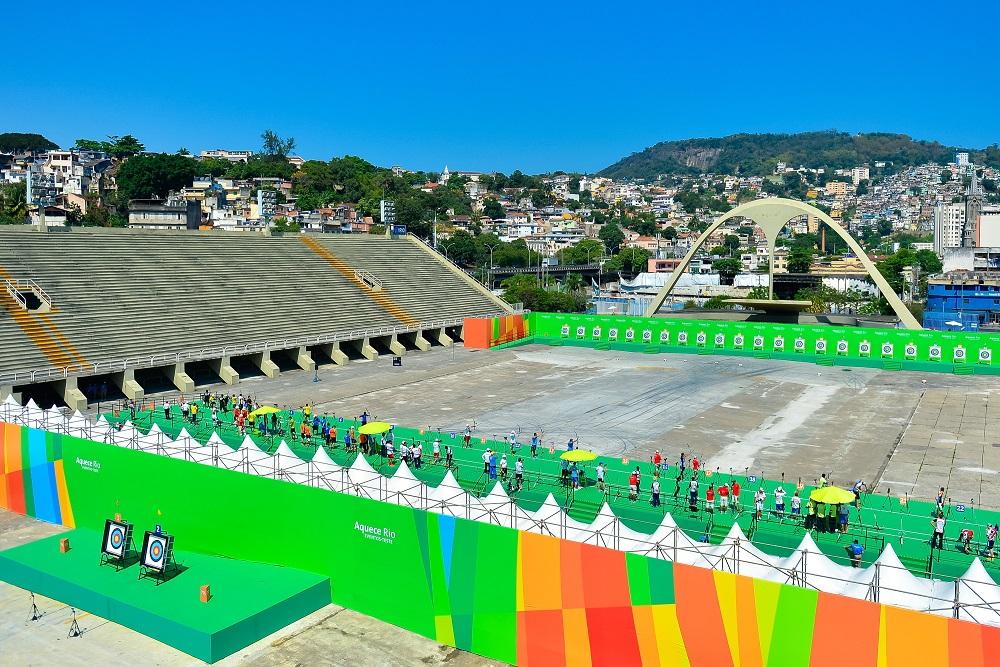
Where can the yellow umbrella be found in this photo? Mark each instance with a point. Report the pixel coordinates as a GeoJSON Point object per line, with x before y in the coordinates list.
{"type": "Point", "coordinates": [266, 410]}
{"type": "Point", "coordinates": [578, 455]}
{"type": "Point", "coordinates": [832, 495]}
{"type": "Point", "coordinates": [373, 428]}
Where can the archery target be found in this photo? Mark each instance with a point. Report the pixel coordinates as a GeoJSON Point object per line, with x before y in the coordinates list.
{"type": "Point", "coordinates": [985, 355]}
{"type": "Point", "coordinates": [647, 336]}
{"type": "Point", "coordinates": [596, 333]}
{"type": "Point", "coordinates": [612, 334]}
{"type": "Point", "coordinates": [910, 351]}
{"type": "Point", "coordinates": [821, 345]}
{"type": "Point", "coordinates": [665, 336]}
{"type": "Point", "coordinates": [581, 332]}
{"type": "Point", "coordinates": [682, 338]}
{"type": "Point", "coordinates": [738, 341]}
{"type": "Point", "coordinates": [115, 538]}
{"type": "Point", "coordinates": [886, 349]}
{"type": "Point", "coordinates": [758, 342]}
{"type": "Point", "coordinates": [701, 338]}
{"type": "Point", "coordinates": [800, 344]}
{"type": "Point", "coordinates": [934, 352]}
{"type": "Point", "coordinates": [959, 353]}
{"type": "Point", "coordinates": [565, 330]}
{"type": "Point", "coordinates": [841, 347]}
{"type": "Point", "coordinates": [720, 340]}
{"type": "Point", "coordinates": [154, 551]}
{"type": "Point", "coordinates": [865, 348]}
{"type": "Point", "coordinates": [779, 343]}
{"type": "Point", "coordinates": [630, 334]}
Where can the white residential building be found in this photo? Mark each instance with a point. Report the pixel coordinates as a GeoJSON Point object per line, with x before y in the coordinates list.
{"type": "Point", "coordinates": [949, 221]}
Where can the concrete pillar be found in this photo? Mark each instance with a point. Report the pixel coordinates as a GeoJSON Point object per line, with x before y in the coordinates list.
{"type": "Point", "coordinates": [181, 380]}
{"type": "Point", "coordinates": [127, 382]}
{"type": "Point", "coordinates": [8, 390]}
{"type": "Point", "coordinates": [74, 398]}
{"type": "Point", "coordinates": [224, 370]}
{"type": "Point", "coordinates": [304, 359]}
{"type": "Point", "coordinates": [442, 337]}
{"type": "Point", "coordinates": [338, 356]}
{"type": "Point", "coordinates": [396, 347]}
{"type": "Point", "coordinates": [421, 343]}
{"type": "Point", "coordinates": [367, 351]}
{"type": "Point", "coordinates": [268, 367]}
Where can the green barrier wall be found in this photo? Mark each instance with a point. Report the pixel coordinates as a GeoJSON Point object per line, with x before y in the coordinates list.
{"type": "Point", "coordinates": [510, 595]}
{"type": "Point", "coordinates": [855, 346]}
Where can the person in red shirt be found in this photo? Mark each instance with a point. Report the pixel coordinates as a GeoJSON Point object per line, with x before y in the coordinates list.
{"type": "Point", "coordinates": [657, 458]}
{"type": "Point", "coordinates": [695, 464]}
{"type": "Point", "coordinates": [633, 487]}
{"type": "Point", "coordinates": [736, 495]}
{"type": "Point", "coordinates": [710, 498]}
{"type": "Point", "coordinates": [723, 498]}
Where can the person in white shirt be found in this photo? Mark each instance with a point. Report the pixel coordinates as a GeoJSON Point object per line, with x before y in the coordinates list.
{"type": "Point", "coordinates": [655, 490]}
{"type": "Point", "coordinates": [519, 473]}
{"type": "Point", "coordinates": [796, 504]}
{"type": "Point", "coordinates": [759, 502]}
{"type": "Point", "coordinates": [486, 461]}
{"type": "Point", "coordinates": [503, 466]}
{"type": "Point", "coordinates": [404, 451]}
{"type": "Point", "coordinates": [390, 453]}
{"type": "Point", "coordinates": [779, 500]}
{"type": "Point", "coordinates": [166, 408]}
{"type": "Point", "coordinates": [436, 450]}
{"type": "Point", "coordinates": [600, 476]}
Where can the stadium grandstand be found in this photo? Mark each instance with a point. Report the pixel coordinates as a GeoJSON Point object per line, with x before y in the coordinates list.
{"type": "Point", "coordinates": [103, 313]}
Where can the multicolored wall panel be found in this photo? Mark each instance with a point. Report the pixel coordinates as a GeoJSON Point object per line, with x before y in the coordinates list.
{"type": "Point", "coordinates": [505, 594]}
{"type": "Point", "coordinates": [485, 332]}
{"type": "Point", "coordinates": [32, 478]}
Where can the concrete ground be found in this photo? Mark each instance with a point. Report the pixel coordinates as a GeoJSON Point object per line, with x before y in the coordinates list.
{"type": "Point", "coordinates": [332, 635]}
{"type": "Point", "coordinates": [900, 431]}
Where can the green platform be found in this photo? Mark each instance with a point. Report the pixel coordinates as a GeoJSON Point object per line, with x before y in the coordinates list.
{"type": "Point", "coordinates": [249, 600]}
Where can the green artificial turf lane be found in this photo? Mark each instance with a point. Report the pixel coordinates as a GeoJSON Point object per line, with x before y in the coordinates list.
{"type": "Point", "coordinates": [905, 523]}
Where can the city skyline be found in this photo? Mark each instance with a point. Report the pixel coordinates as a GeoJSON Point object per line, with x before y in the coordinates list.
{"type": "Point", "coordinates": [537, 89]}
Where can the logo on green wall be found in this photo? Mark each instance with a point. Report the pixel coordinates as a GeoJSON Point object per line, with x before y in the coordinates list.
{"type": "Point", "coordinates": [89, 464]}
{"type": "Point", "coordinates": [375, 533]}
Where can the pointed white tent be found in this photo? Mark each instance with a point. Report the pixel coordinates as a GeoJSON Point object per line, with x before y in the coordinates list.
{"type": "Point", "coordinates": [257, 460]}
{"type": "Point", "coordinates": [325, 473]}
{"type": "Point", "coordinates": [364, 480]}
{"type": "Point", "coordinates": [897, 586]}
{"type": "Point", "coordinates": [289, 466]}
{"type": "Point", "coordinates": [206, 453]}
{"type": "Point", "coordinates": [979, 595]}
{"type": "Point", "coordinates": [548, 519]}
{"type": "Point", "coordinates": [78, 425]}
{"type": "Point", "coordinates": [448, 497]}
{"type": "Point", "coordinates": [403, 488]}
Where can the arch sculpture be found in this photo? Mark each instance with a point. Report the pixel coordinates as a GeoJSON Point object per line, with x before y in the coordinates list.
{"type": "Point", "coordinates": [772, 215]}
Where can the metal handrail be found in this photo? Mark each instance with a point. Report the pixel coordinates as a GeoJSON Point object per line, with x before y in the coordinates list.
{"type": "Point", "coordinates": [118, 365]}
{"type": "Point", "coordinates": [15, 293]}
{"type": "Point", "coordinates": [368, 278]}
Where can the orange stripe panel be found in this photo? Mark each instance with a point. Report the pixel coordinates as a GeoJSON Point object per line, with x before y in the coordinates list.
{"type": "Point", "coordinates": [540, 585]}
{"type": "Point", "coordinates": [65, 508]}
{"type": "Point", "coordinates": [542, 639]}
{"type": "Point", "coordinates": [606, 584]}
{"type": "Point", "coordinates": [575, 633]}
{"type": "Point", "coordinates": [571, 569]}
{"type": "Point", "coordinates": [645, 632]}
{"type": "Point", "coordinates": [915, 638]}
{"type": "Point", "coordinates": [965, 644]}
{"type": "Point", "coordinates": [700, 618]}
{"type": "Point", "coordinates": [12, 448]}
{"type": "Point", "coordinates": [829, 649]}
{"type": "Point", "coordinates": [746, 615]}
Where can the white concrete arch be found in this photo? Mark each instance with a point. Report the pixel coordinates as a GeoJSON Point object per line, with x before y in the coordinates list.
{"type": "Point", "coordinates": [772, 214]}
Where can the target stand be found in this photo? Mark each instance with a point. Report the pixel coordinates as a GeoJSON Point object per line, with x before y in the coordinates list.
{"type": "Point", "coordinates": [156, 560]}
{"type": "Point", "coordinates": [117, 547]}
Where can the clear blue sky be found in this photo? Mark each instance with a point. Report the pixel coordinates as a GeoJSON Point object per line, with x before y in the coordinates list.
{"type": "Point", "coordinates": [496, 85]}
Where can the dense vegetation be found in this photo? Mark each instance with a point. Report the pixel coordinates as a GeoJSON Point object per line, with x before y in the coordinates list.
{"type": "Point", "coordinates": [21, 142]}
{"type": "Point", "coordinates": [758, 154]}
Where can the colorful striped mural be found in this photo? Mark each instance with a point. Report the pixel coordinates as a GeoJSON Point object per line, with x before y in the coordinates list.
{"type": "Point", "coordinates": [509, 595]}
{"type": "Point", "coordinates": [32, 474]}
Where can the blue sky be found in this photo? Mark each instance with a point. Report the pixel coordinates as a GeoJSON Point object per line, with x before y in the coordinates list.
{"type": "Point", "coordinates": [497, 85]}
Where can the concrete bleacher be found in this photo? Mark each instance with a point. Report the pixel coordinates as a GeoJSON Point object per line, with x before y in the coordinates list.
{"type": "Point", "coordinates": [121, 294]}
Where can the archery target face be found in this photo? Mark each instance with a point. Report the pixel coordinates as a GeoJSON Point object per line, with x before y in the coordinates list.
{"type": "Point", "coordinates": [154, 556]}
{"type": "Point", "coordinates": [114, 538]}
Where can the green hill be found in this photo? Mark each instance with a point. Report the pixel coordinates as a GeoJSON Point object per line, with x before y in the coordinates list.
{"type": "Point", "coordinates": [16, 142]}
{"type": "Point", "coordinates": [757, 154]}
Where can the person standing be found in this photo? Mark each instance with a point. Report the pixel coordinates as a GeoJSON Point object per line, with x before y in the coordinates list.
{"type": "Point", "coordinates": [710, 498]}
{"type": "Point", "coordinates": [185, 410]}
{"type": "Point", "coordinates": [574, 476]}
{"type": "Point", "coordinates": [166, 409]}
{"type": "Point", "coordinates": [796, 504]}
{"type": "Point", "coordinates": [486, 461]}
{"type": "Point", "coordinates": [534, 445]}
{"type": "Point", "coordinates": [682, 465]}
{"type": "Point", "coordinates": [467, 436]}
{"type": "Point", "coordinates": [519, 473]}
{"type": "Point", "coordinates": [570, 445]}
{"type": "Point", "coordinates": [758, 503]}
{"type": "Point", "coordinates": [938, 537]}
{"type": "Point", "coordinates": [736, 495]}
{"type": "Point", "coordinates": [600, 476]}
{"type": "Point", "coordinates": [503, 467]}
{"type": "Point", "coordinates": [194, 413]}
{"type": "Point", "coordinates": [655, 489]}
{"type": "Point", "coordinates": [693, 494]}
{"type": "Point", "coordinates": [991, 537]}
{"type": "Point", "coordinates": [779, 501]}
{"type": "Point", "coordinates": [449, 456]}
{"type": "Point", "coordinates": [724, 497]}
{"type": "Point", "coordinates": [436, 450]}
{"type": "Point", "coordinates": [493, 465]}
{"type": "Point", "coordinates": [633, 487]}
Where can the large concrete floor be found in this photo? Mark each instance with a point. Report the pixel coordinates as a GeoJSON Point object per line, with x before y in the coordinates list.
{"type": "Point", "coordinates": [913, 432]}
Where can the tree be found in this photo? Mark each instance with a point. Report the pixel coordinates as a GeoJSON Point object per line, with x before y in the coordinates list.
{"type": "Point", "coordinates": [717, 303]}
{"type": "Point", "coordinates": [13, 203]}
{"type": "Point", "coordinates": [758, 292]}
{"type": "Point", "coordinates": [732, 243]}
{"type": "Point", "coordinates": [669, 233]}
{"type": "Point", "coordinates": [574, 282]}
{"type": "Point", "coordinates": [612, 236]}
{"type": "Point", "coordinates": [727, 269]}
{"type": "Point", "coordinates": [945, 175]}
{"type": "Point", "coordinates": [275, 145]}
{"type": "Point", "coordinates": [584, 252]}
{"type": "Point", "coordinates": [121, 147]}
{"type": "Point", "coordinates": [149, 176]}
{"type": "Point", "coordinates": [799, 260]}
{"type": "Point", "coordinates": [21, 142]}
{"type": "Point", "coordinates": [494, 209]}
{"type": "Point", "coordinates": [629, 260]}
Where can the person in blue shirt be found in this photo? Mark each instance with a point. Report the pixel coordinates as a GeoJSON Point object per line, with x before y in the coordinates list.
{"type": "Point", "coordinates": [534, 445]}
{"type": "Point", "coordinates": [574, 475]}
{"type": "Point", "coordinates": [565, 471]}
{"type": "Point", "coordinates": [855, 551]}
{"type": "Point", "coordinates": [570, 445]}
{"type": "Point", "coordinates": [493, 465]}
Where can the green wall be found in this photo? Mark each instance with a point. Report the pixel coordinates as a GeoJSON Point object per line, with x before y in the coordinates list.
{"type": "Point", "coordinates": [890, 348]}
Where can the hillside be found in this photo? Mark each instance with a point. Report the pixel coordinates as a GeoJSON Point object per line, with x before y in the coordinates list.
{"type": "Point", "coordinates": [757, 154]}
